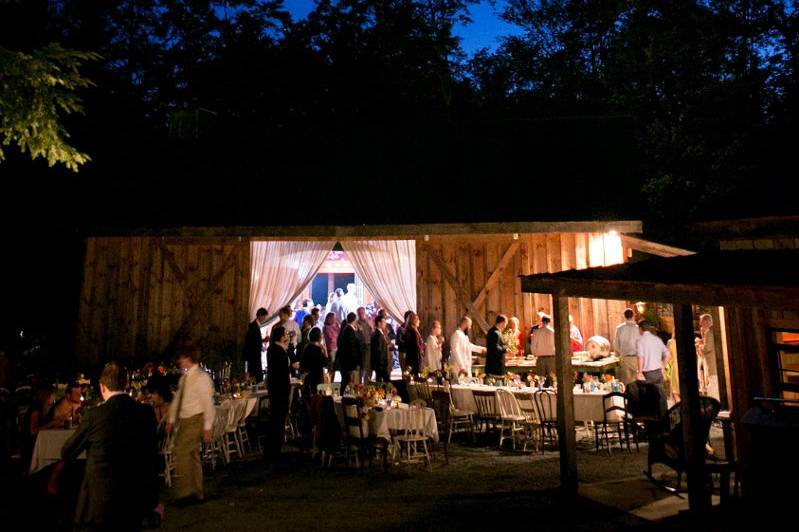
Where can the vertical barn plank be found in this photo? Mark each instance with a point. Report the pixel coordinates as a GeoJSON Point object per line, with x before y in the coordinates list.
{"type": "Point", "coordinates": [524, 259]}
{"type": "Point", "coordinates": [493, 299]}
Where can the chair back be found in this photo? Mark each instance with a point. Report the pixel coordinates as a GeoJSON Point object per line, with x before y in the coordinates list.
{"type": "Point", "coordinates": [486, 403]}
{"type": "Point", "coordinates": [615, 406]}
{"type": "Point", "coordinates": [221, 420]}
{"type": "Point", "coordinates": [527, 405]}
{"type": "Point", "coordinates": [414, 427]}
{"type": "Point", "coordinates": [334, 388]}
{"type": "Point", "coordinates": [352, 407]}
{"type": "Point", "coordinates": [442, 402]}
{"type": "Point", "coordinates": [423, 392]}
{"type": "Point", "coordinates": [508, 406]}
{"type": "Point", "coordinates": [545, 405]}
{"type": "Point", "coordinates": [645, 401]}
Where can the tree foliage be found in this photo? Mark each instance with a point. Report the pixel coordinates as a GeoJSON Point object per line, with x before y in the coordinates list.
{"type": "Point", "coordinates": [37, 90]}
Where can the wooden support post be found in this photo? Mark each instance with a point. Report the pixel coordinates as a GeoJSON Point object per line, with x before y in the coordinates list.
{"type": "Point", "coordinates": [693, 443]}
{"type": "Point", "coordinates": [563, 368]}
{"type": "Point", "coordinates": [718, 364]}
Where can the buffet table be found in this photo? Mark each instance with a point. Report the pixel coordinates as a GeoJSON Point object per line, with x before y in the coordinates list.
{"type": "Point", "coordinates": [578, 364]}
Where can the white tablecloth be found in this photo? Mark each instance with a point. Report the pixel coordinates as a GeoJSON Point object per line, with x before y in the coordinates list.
{"type": "Point", "coordinates": [47, 449]}
{"type": "Point", "coordinates": [392, 420]}
{"type": "Point", "coordinates": [587, 406]}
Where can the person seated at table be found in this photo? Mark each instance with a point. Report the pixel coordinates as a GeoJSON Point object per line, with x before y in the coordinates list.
{"type": "Point", "coordinates": [314, 360]}
{"type": "Point", "coordinates": [36, 418]}
{"type": "Point", "coordinates": [68, 408]}
{"type": "Point", "coordinates": [496, 347]}
{"type": "Point", "coordinates": [161, 400]}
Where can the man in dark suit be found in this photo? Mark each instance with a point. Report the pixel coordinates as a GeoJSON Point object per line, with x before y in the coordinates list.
{"type": "Point", "coordinates": [496, 347]}
{"type": "Point", "coordinates": [380, 355]}
{"type": "Point", "coordinates": [120, 486]}
{"type": "Point", "coordinates": [253, 344]}
{"type": "Point", "coordinates": [349, 352]}
{"type": "Point", "coordinates": [278, 382]}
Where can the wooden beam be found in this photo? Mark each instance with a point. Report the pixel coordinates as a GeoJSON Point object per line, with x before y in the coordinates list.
{"type": "Point", "coordinates": [497, 273]}
{"type": "Point", "coordinates": [653, 248]}
{"type": "Point", "coordinates": [690, 417]}
{"type": "Point", "coordinates": [774, 298]}
{"type": "Point", "coordinates": [172, 261]}
{"type": "Point", "coordinates": [563, 368]}
{"type": "Point", "coordinates": [459, 289]}
{"type": "Point", "coordinates": [409, 231]}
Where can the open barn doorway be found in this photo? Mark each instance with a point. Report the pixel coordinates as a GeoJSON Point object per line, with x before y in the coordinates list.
{"type": "Point", "coordinates": [374, 274]}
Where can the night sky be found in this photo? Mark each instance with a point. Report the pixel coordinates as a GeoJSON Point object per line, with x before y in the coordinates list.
{"type": "Point", "coordinates": [484, 32]}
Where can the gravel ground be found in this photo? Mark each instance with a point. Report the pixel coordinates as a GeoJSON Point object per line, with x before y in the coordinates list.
{"type": "Point", "coordinates": [481, 488]}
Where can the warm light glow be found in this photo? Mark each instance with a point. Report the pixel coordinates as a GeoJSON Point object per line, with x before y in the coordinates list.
{"type": "Point", "coordinates": [612, 232]}
{"type": "Point", "coordinates": [640, 307]}
{"type": "Point", "coordinates": [614, 252]}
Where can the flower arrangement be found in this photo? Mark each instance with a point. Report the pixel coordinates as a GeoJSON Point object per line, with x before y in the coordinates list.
{"type": "Point", "coordinates": [512, 341]}
{"type": "Point", "coordinates": [407, 375]}
{"type": "Point", "coordinates": [490, 380]}
{"type": "Point", "coordinates": [424, 373]}
{"type": "Point", "coordinates": [607, 378]}
{"type": "Point", "coordinates": [553, 378]}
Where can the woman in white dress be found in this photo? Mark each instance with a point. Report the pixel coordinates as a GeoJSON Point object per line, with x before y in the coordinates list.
{"type": "Point", "coordinates": [433, 346]}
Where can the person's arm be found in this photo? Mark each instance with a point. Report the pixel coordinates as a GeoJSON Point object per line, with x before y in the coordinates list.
{"type": "Point", "coordinates": [617, 342]}
{"type": "Point", "coordinates": [78, 442]}
{"type": "Point", "coordinates": [665, 354]}
{"type": "Point", "coordinates": [173, 407]}
{"type": "Point", "coordinates": [206, 391]}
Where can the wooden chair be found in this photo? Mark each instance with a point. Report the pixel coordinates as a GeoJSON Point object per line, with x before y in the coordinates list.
{"type": "Point", "coordinates": [486, 402]}
{"type": "Point", "coordinates": [165, 451]}
{"type": "Point", "coordinates": [545, 406]}
{"type": "Point", "coordinates": [420, 403]}
{"type": "Point", "coordinates": [510, 416]}
{"type": "Point", "coordinates": [356, 437]}
{"type": "Point", "coordinates": [617, 417]}
{"type": "Point", "coordinates": [424, 392]}
{"type": "Point", "coordinates": [531, 423]}
{"type": "Point", "coordinates": [413, 436]}
{"type": "Point", "coordinates": [666, 439]}
{"type": "Point", "coordinates": [242, 434]}
{"type": "Point", "coordinates": [444, 420]}
{"type": "Point", "coordinates": [460, 418]}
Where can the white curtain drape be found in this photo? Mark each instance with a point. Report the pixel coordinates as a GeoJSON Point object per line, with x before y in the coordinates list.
{"type": "Point", "coordinates": [388, 269]}
{"type": "Point", "coordinates": [282, 270]}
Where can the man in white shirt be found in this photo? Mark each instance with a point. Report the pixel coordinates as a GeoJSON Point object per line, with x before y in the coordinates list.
{"type": "Point", "coordinates": [653, 355]}
{"type": "Point", "coordinates": [542, 345]}
{"type": "Point", "coordinates": [349, 301]}
{"type": "Point", "coordinates": [625, 344]}
{"type": "Point", "coordinates": [291, 327]}
{"type": "Point", "coordinates": [461, 349]}
{"type": "Point", "coordinates": [191, 416]}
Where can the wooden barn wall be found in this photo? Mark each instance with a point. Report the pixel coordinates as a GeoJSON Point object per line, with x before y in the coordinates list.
{"type": "Point", "coordinates": [472, 260]}
{"type": "Point", "coordinates": [142, 296]}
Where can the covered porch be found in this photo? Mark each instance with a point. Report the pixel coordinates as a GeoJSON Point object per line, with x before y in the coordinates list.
{"type": "Point", "coordinates": [758, 294]}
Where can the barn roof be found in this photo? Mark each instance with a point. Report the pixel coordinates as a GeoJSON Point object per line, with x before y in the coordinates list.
{"type": "Point", "coordinates": [740, 278]}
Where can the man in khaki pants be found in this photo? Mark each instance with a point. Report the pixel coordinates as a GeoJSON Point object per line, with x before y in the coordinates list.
{"type": "Point", "coordinates": [191, 416]}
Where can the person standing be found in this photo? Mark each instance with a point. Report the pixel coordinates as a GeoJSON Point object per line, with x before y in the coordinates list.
{"type": "Point", "coordinates": [349, 301]}
{"type": "Point", "coordinates": [278, 382]}
{"type": "Point", "coordinates": [381, 356]}
{"type": "Point", "coordinates": [253, 344]}
{"type": "Point", "coordinates": [496, 347]}
{"type": "Point", "coordinates": [191, 417]}
{"type": "Point", "coordinates": [364, 329]}
{"type": "Point", "coordinates": [120, 485]}
{"type": "Point", "coordinates": [542, 345]}
{"type": "Point", "coordinates": [348, 352]}
{"type": "Point", "coordinates": [433, 348]}
{"type": "Point", "coordinates": [289, 325]}
{"type": "Point", "coordinates": [414, 346]}
{"type": "Point", "coordinates": [461, 349]}
{"type": "Point", "coordinates": [314, 360]}
{"type": "Point", "coordinates": [575, 337]}
{"type": "Point", "coordinates": [625, 344]}
{"type": "Point", "coordinates": [706, 357]}
{"type": "Point", "coordinates": [330, 332]}
{"type": "Point", "coordinates": [401, 349]}
{"type": "Point", "coordinates": [652, 359]}
{"type": "Point", "coordinates": [337, 306]}
{"type": "Point", "coordinates": [304, 310]}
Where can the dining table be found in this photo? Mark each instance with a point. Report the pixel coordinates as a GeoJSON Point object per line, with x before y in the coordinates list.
{"type": "Point", "coordinates": [385, 421]}
{"type": "Point", "coordinates": [47, 449]}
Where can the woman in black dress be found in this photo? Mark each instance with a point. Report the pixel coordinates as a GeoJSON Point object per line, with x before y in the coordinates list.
{"type": "Point", "coordinates": [314, 360]}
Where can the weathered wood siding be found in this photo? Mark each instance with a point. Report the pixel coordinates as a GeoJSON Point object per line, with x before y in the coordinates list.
{"type": "Point", "coordinates": [142, 296]}
{"type": "Point", "coordinates": [473, 260]}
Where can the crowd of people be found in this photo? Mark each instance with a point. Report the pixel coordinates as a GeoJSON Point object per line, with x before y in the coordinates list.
{"type": "Point", "coordinates": [123, 433]}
